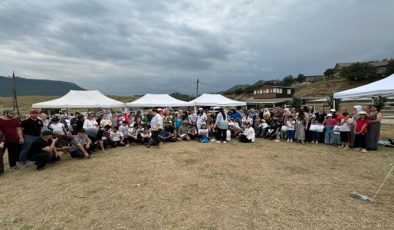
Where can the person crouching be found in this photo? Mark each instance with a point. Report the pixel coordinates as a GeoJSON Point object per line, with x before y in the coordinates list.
{"type": "Point", "coordinates": [81, 145]}
{"type": "Point", "coordinates": [43, 150]}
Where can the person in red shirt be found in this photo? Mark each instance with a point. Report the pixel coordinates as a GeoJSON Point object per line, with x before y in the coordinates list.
{"type": "Point", "coordinates": [12, 132]}
{"type": "Point", "coordinates": [361, 131]}
{"type": "Point", "coordinates": [1, 153]}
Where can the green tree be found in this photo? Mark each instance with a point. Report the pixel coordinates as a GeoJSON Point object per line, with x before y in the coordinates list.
{"type": "Point", "coordinates": [239, 91]}
{"type": "Point", "coordinates": [390, 68]}
{"type": "Point", "coordinates": [301, 78]}
{"type": "Point", "coordinates": [288, 80]}
{"type": "Point", "coordinates": [330, 72]}
{"type": "Point", "coordinates": [296, 102]}
{"type": "Point", "coordinates": [359, 72]}
{"type": "Point", "coordinates": [332, 101]}
{"type": "Point", "coordinates": [379, 102]}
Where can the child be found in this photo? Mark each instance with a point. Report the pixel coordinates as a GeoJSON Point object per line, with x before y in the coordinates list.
{"type": "Point", "coordinates": [203, 134]}
{"type": "Point", "coordinates": [290, 123]}
{"type": "Point", "coordinates": [336, 140]}
{"type": "Point", "coordinates": [145, 136]}
{"type": "Point", "coordinates": [329, 124]}
{"type": "Point", "coordinates": [262, 129]}
{"type": "Point", "coordinates": [116, 137]}
{"type": "Point", "coordinates": [315, 130]}
{"type": "Point", "coordinates": [346, 122]}
{"type": "Point", "coordinates": [361, 130]}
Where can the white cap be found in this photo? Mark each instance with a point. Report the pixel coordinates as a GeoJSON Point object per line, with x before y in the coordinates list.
{"type": "Point", "coordinates": [329, 115]}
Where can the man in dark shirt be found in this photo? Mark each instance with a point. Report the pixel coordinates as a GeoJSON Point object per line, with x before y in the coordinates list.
{"type": "Point", "coordinates": [12, 136]}
{"type": "Point", "coordinates": [43, 150]}
{"type": "Point", "coordinates": [31, 128]}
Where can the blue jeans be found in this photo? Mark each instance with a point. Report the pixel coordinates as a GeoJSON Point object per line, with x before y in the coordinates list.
{"type": "Point", "coordinates": [328, 137]}
{"type": "Point", "coordinates": [26, 147]}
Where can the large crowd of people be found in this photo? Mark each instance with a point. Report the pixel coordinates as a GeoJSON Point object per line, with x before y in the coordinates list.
{"type": "Point", "coordinates": [42, 140]}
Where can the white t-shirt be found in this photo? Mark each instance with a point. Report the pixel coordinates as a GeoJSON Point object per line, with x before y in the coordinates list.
{"type": "Point", "coordinates": [116, 136]}
{"type": "Point", "coordinates": [87, 124]}
{"type": "Point", "coordinates": [203, 131]}
{"type": "Point", "coordinates": [290, 125]}
{"type": "Point", "coordinates": [250, 134]}
{"type": "Point", "coordinates": [57, 128]}
{"type": "Point", "coordinates": [345, 127]}
{"type": "Point", "coordinates": [157, 120]}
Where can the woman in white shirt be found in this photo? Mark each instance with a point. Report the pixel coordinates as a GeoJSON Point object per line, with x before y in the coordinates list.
{"type": "Point", "coordinates": [57, 127]}
{"type": "Point", "coordinates": [248, 134]}
{"type": "Point", "coordinates": [90, 122]}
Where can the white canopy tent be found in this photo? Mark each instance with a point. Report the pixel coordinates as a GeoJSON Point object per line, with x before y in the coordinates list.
{"type": "Point", "coordinates": [157, 100]}
{"type": "Point", "coordinates": [80, 99]}
{"type": "Point", "coordinates": [215, 100]}
{"type": "Point", "coordinates": [384, 87]}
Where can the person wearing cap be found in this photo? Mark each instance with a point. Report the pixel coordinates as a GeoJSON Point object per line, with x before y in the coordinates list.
{"type": "Point", "coordinates": [12, 136]}
{"type": "Point", "coordinates": [329, 124]}
{"type": "Point", "coordinates": [361, 131]}
{"type": "Point", "coordinates": [43, 150]}
{"type": "Point", "coordinates": [31, 129]}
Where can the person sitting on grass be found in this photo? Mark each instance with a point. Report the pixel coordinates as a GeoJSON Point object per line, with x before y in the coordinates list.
{"type": "Point", "coordinates": [192, 132]}
{"type": "Point", "coordinates": [43, 150]}
{"type": "Point", "coordinates": [183, 131]}
{"type": "Point", "coordinates": [146, 135]}
{"type": "Point", "coordinates": [124, 129]}
{"type": "Point", "coordinates": [203, 132]}
{"type": "Point", "coordinates": [248, 135]}
{"type": "Point", "coordinates": [104, 137]}
{"type": "Point", "coordinates": [81, 145]}
{"type": "Point", "coordinates": [168, 134]}
{"type": "Point", "coordinates": [116, 137]}
{"type": "Point", "coordinates": [361, 131]}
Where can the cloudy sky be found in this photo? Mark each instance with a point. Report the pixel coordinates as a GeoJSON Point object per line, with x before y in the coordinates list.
{"type": "Point", "coordinates": [130, 47]}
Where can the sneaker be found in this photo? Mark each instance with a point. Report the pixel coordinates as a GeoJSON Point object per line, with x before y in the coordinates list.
{"type": "Point", "coordinates": [23, 165]}
{"type": "Point", "coordinates": [218, 142]}
{"type": "Point", "coordinates": [127, 145]}
{"type": "Point", "coordinates": [364, 151]}
{"type": "Point", "coordinates": [213, 139]}
{"type": "Point", "coordinates": [291, 140]}
{"type": "Point", "coordinates": [224, 142]}
{"type": "Point", "coordinates": [276, 140]}
{"type": "Point", "coordinates": [316, 142]}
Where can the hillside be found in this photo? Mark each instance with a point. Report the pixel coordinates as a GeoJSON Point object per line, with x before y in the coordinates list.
{"type": "Point", "coordinates": [323, 88]}
{"type": "Point", "coordinates": [40, 87]}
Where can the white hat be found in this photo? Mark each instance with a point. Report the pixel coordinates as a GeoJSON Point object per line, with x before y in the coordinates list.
{"type": "Point", "coordinates": [200, 108]}
{"type": "Point", "coordinates": [362, 113]}
{"type": "Point", "coordinates": [332, 110]}
{"type": "Point", "coordinates": [329, 115]}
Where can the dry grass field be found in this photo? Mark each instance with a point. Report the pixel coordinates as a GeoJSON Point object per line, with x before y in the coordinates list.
{"type": "Point", "coordinates": [188, 185]}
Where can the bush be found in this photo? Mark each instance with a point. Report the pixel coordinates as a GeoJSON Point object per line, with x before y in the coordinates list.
{"type": "Point", "coordinates": [359, 72]}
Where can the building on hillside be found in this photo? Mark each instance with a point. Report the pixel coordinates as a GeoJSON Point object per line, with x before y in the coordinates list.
{"type": "Point", "coordinates": [273, 91]}
{"type": "Point", "coordinates": [314, 78]}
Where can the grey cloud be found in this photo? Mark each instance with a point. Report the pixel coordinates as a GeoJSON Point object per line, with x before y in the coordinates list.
{"type": "Point", "coordinates": [163, 46]}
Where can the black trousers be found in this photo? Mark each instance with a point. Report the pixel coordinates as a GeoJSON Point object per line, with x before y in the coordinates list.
{"type": "Point", "coordinates": [154, 139]}
{"type": "Point", "coordinates": [13, 152]}
{"type": "Point", "coordinates": [1, 161]}
{"type": "Point", "coordinates": [244, 139]}
{"type": "Point", "coordinates": [221, 134]}
{"type": "Point", "coordinates": [41, 159]}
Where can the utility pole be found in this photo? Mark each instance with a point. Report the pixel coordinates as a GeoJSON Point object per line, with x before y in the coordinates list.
{"type": "Point", "coordinates": [14, 99]}
{"type": "Point", "coordinates": [198, 81]}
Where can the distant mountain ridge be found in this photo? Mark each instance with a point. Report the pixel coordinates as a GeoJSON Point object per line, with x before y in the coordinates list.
{"type": "Point", "coordinates": [31, 87]}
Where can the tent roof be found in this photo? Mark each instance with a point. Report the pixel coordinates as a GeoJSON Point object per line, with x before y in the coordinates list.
{"type": "Point", "coordinates": [215, 100]}
{"type": "Point", "coordinates": [157, 100]}
{"type": "Point", "coordinates": [384, 87]}
{"type": "Point", "coordinates": [80, 99]}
